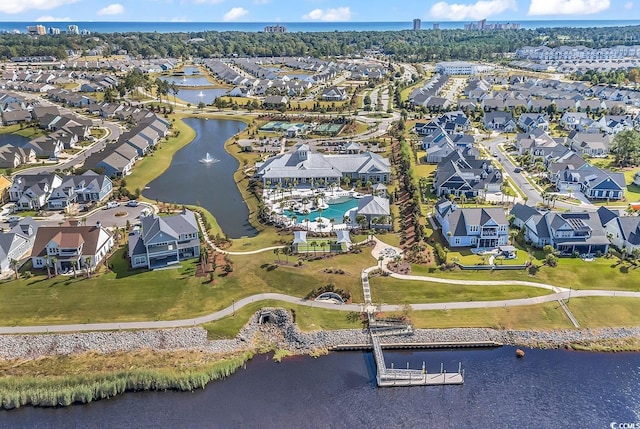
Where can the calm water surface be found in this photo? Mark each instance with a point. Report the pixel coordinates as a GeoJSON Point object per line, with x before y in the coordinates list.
{"type": "Point", "coordinates": [13, 139]}
{"type": "Point", "coordinates": [188, 181]}
{"type": "Point", "coordinates": [546, 389]}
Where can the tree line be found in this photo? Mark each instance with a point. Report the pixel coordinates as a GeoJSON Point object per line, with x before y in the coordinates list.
{"type": "Point", "coordinates": [431, 45]}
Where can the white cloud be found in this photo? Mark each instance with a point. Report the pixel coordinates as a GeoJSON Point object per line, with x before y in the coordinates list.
{"type": "Point", "coordinates": [261, 1]}
{"type": "Point", "coordinates": [235, 13]}
{"type": "Point", "coordinates": [568, 7]}
{"type": "Point", "coordinates": [112, 9]}
{"type": "Point", "coordinates": [49, 18]}
{"type": "Point", "coordinates": [628, 5]}
{"type": "Point", "coordinates": [18, 6]}
{"type": "Point", "coordinates": [332, 14]}
{"type": "Point", "coordinates": [480, 10]}
{"type": "Point", "coordinates": [208, 1]}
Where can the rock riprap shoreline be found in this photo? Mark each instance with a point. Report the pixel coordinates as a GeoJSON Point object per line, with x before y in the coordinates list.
{"type": "Point", "coordinates": [280, 331]}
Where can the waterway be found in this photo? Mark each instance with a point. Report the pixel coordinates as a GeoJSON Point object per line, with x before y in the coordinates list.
{"type": "Point", "coordinates": [13, 140]}
{"type": "Point", "coordinates": [210, 185]}
{"type": "Point", "coordinates": [546, 389]}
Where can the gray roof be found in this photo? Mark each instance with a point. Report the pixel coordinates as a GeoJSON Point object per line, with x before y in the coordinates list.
{"type": "Point", "coordinates": [459, 219]}
{"type": "Point", "coordinates": [523, 212]}
{"type": "Point", "coordinates": [373, 206]}
{"type": "Point", "coordinates": [630, 228]}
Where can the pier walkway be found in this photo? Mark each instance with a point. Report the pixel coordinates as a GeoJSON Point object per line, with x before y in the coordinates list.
{"type": "Point", "coordinates": [396, 377]}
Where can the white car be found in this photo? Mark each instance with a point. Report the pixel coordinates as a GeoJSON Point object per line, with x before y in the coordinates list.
{"type": "Point", "coordinates": [112, 204]}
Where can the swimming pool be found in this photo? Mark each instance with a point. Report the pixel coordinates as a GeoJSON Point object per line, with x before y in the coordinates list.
{"type": "Point", "coordinates": [335, 211]}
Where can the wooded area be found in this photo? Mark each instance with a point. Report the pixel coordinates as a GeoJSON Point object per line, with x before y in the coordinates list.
{"type": "Point", "coordinates": [430, 45]}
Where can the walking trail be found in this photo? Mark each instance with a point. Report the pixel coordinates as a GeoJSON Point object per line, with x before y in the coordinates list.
{"type": "Point", "coordinates": [380, 249]}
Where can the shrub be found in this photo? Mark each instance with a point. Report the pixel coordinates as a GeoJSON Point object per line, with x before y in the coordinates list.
{"type": "Point", "coordinates": [551, 260]}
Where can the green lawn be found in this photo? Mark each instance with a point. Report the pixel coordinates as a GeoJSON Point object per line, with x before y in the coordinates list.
{"type": "Point", "coordinates": [124, 295]}
{"type": "Point", "coordinates": [543, 316]}
{"type": "Point", "coordinates": [602, 273]}
{"type": "Point", "coordinates": [307, 319]}
{"type": "Point", "coordinates": [391, 290]}
{"type": "Point", "coordinates": [595, 312]}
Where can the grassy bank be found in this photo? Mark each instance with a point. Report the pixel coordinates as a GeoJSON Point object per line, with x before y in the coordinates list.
{"type": "Point", "coordinates": [62, 381]}
{"type": "Point", "coordinates": [386, 289]}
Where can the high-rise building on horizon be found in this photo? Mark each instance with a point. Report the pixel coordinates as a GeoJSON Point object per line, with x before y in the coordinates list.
{"type": "Point", "coordinates": [417, 24]}
{"type": "Point", "coordinates": [275, 29]}
{"type": "Point", "coordinates": [436, 26]}
{"type": "Point", "coordinates": [73, 29]}
{"type": "Point", "coordinates": [36, 30]}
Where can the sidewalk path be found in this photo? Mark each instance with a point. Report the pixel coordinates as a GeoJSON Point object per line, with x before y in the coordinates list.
{"type": "Point", "coordinates": [167, 324]}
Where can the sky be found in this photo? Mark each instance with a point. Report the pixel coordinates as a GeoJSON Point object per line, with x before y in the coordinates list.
{"type": "Point", "coordinates": [315, 10]}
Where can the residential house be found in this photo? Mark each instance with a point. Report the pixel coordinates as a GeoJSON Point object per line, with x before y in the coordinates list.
{"type": "Point", "coordinates": [530, 121]}
{"type": "Point", "coordinates": [32, 191]}
{"type": "Point", "coordinates": [464, 173]}
{"type": "Point", "coordinates": [440, 145]}
{"type": "Point", "coordinates": [521, 213]}
{"type": "Point", "coordinates": [163, 241]}
{"type": "Point", "coordinates": [64, 248]}
{"type": "Point", "coordinates": [46, 146]}
{"type": "Point", "coordinates": [592, 145]}
{"type": "Point", "coordinates": [499, 121]}
{"type": "Point", "coordinates": [472, 227]}
{"type": "Point", "coordinates": [13, 156]}
{"type": "Point", "coordinates": [88, 187]}
{"type": "Point", "coordinates": [334, 93]}
{"type": "Point", "coordinates": [622, 231]}
{"type": "Point", "coordinates": [613, 124]}
{"type": "Point", "coordinates": [16, 243]}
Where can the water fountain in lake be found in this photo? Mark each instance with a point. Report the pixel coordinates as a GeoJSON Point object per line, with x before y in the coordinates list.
{"type": "Point", "coordinates": [208, 159]}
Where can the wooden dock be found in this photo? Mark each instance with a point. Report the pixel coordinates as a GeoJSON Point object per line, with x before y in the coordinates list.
{"type": "Point", "coordinates": [392, 377]}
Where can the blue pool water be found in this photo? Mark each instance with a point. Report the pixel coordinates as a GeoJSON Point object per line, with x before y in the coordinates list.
{"type": "Point", "coordinates": [335, 211]}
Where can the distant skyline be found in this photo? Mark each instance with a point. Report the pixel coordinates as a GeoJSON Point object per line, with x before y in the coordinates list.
{"type": "Point", "coordinates": [315, 10]}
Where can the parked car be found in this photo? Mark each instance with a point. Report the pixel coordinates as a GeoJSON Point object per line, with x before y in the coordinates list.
{"type": "Point", "coordinates": [14, 219]}
{"type": "Point", "coordinates": [133, 203]}
{"type": "Point", "coordinates": [112, 204]}
{"type": "Point", "coordinates": [517, 170]}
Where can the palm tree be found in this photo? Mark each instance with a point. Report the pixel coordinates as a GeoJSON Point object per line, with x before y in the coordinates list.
{"type": "Point", "coordinates": [332, 221]}
{"type": "Point", "coordinates": [14, 264]}
{"type": "Point", "coordinates": [286, 252]}
{"type": "Point", "coordinates": [174, 90]}
{"type": "Point", "coordinates": [46, 263]}
{"type": "Point", "coordinates": [277, 253]}
{"type": "Point", "coordinates": [87, 264]}
{"type": "Point", "coordinates": [380, 259]}
{"type": "Point", "coordinates": [73, 266]}
{"type": "Point", "coordinates": [54, 262]}
{"type": "Point", "coordinates": [314, 244]}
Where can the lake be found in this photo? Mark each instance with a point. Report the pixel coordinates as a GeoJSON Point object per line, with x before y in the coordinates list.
{"type": "Point", "coordinates": [13, 140]}
{"type": "Point", "coordinates": [546, 389]}
{"type": "Point", "coordinates": [208, 185]}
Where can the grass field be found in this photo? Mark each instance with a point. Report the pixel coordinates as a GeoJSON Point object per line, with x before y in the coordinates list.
{"type": "Point", "coordinates": [307, 319]}
{"type": "Point", "coordinates": [594, 312]}
{"type": "Point", "coordinates": [543, 316]}
{"type": "Point", "coordinates": [124, 295]}
{"type": "Point", "coordinates": [390, 290]}
{"type": "Point", "coordinates": [602, 273]}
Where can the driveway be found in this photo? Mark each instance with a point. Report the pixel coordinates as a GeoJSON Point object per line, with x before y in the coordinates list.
{"type": "Point", "coordinates": [106, 217]}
